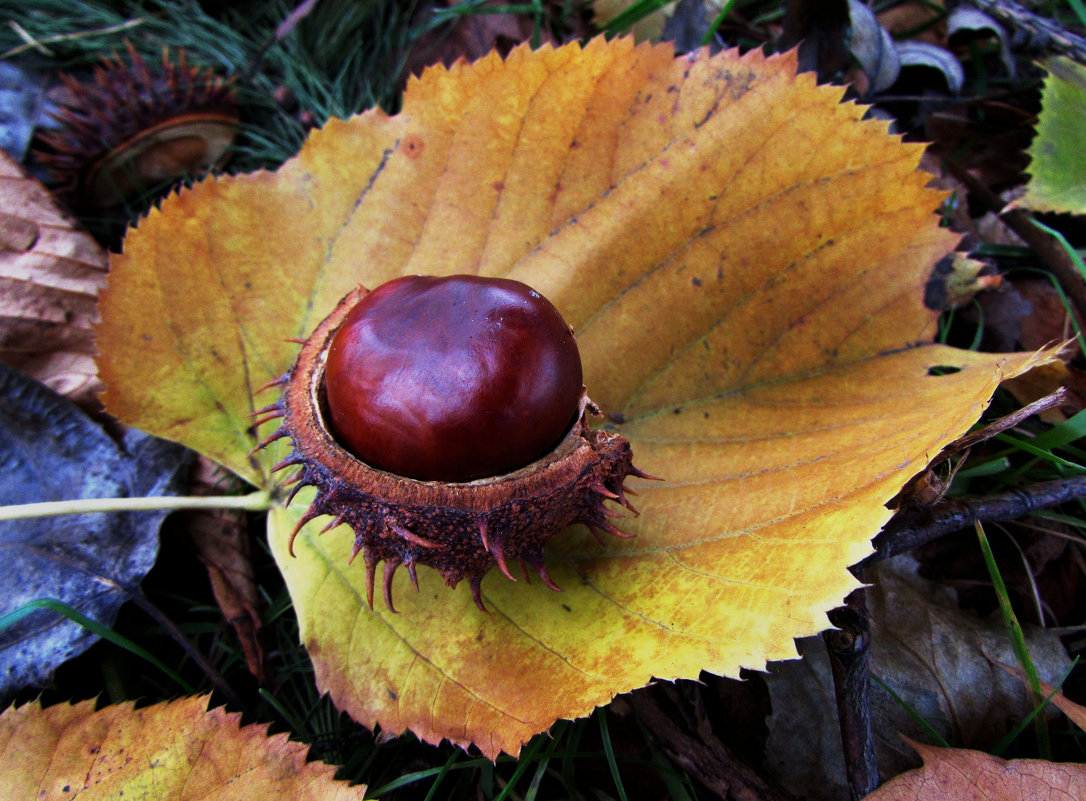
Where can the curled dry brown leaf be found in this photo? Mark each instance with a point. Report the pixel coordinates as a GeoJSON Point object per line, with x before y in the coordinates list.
{"type": "Point", "coordinates": [942, 662]}
{"type": "Point", "coordinates": [223, 545]}
{"type": "Point", "coordinates": [50, 274]}
{"type": "Point", "coordinates": [952, 774]}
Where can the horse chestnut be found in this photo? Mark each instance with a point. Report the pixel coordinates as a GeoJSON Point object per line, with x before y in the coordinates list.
{"type": "Point", "coordinates": [444, 421]}
{"type": "Point", "coordinates": [453, 378]}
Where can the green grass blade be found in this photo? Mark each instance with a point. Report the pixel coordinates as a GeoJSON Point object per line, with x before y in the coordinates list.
{"type": "Point", "coordinates": [1041, 453]}
{"type": "Point", "coordinates": [725, 8]}
{"type": "Point", "coordinates": [927, 727]}
{"type": "Point", "coordinates": [635, 13]}
{"type": "Point", "coordinates": [296, 726]}
{"type": "Point", "coordinates": [93, 626]}
{"type": "Point", "coordinates": [609, 752]}
{"type": "Point", "coordinates": [259, 501]}
{"type": "Point", "coordinates": [410, 778]}
{"type": "Point", "coordinates": [993, 468]}
{"type": "Point", "coordinates": [455, 755]}
{"type": "Point", "coordinates": [569, 763]}
{"type": "Point", "coordinates": [677, 789]}
{"type": "Point", "coordinates": [978, 335]}
{"type": "Point", "coordinates": [1063, 434]}
{"type": "Point", "coordinates": [1073, 254]}
{"type": "Point", "coordinates": [526, 758]}
{"type": "Point", "coordinates": [1012, 735]}
{"type": "Point", "coordinates": [1080, 10]}
{"type": "Point", "coordinates": [1018, 639]}
{"type": "Point", "coordinates": [544, 761]}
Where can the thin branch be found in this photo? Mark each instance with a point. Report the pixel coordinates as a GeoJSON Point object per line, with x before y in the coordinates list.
{"type": "Point", "coordinates": [998, 426]}
{"type": "Point", "coordinates": [253, 502]}
{"type": "Point", "coordinates": [947, 516]}
{"type": "Point", "coordinates": [848, 646]}
{"type": "Point", "coordinates": [701, 755]}
{"type": "Point", "coordinates": [1052, 36]}
{"type": "Point", "coordinates": [216, 678]}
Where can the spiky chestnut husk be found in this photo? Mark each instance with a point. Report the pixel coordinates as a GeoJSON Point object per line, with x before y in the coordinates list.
{"type": "Point", "coordinates": [461, 530]}
{"type": "Point", "coordinates": [132, 128]}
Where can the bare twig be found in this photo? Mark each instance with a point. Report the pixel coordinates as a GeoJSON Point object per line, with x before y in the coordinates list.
{"type": "Point", "coordinates": [291, 20]}
{"type": "Point", "coordinates": [282, 30]}
{"type": "Point", "coordinates": [849, 649]}
{"type": "Point", "coordinates": [1002, 424]}
{"type": "Point", "coordinates": [948, 516]}
{"type": "Point", "coordinates": [1052, 36]}
{"type": "Point", "coordinates": [216, 678]}
{"type": "Point", "coordinates": [705, 757]}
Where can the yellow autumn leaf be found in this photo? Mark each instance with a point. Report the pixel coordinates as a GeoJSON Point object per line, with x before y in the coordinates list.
{"type": "Point", "coordinates": [744, 262]}
{"type": "Point", "coordinates": [179, 750]}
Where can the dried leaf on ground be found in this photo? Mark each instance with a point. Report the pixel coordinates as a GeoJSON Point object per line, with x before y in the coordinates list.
{"type": "Point", "coordinates": [951, 774]}
{"type": "Point", "coordinates": [23, 92]}
{"type": "Point", "coordinates": [965, 25]}
{"type": "Point", "coordinates": [946, 663]}
{"type": "Point", "coordinates": [50, 274]}
{"type": "Point", "coordinates": [471, 36]}
{"type": "Point", "coordinates": [918, 19]}
{"type": "Point", "coordinates": [819, 30]}
{"type": "Point", "coordinates": [1057, 169]}
{"type": "Point", "coordinates": [744, 261]}
{"type": "Point", "coordinates": [1075, 712]}
{"type": "Point", "coordinates": [179, 750]}
{"type": "Point", "coordinates": [929, 56]}
{"type": "Point", "coordinates": [984, 138]}
{"type": "Point", "coordinates": [51, 451]}
{"type": "Point", "coordinates": [956, 280]}
{"type": "Point", "coordinates": [873, 47]}
{"type": "Point", "coordinates": [803, 752]}
{"type": "Point", "coordinates": [222, 544]}
{"type": "Point", "coordinates": [689, 24]}
{"type": "Point", "coordinates": [943, 662]}
{"type": "Point", "coordinates": [1032, 312]}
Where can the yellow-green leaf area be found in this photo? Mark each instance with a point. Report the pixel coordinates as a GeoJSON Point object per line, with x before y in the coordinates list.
{"type": "Point", "coordinates": [743, 259]}
{"type": "Point", "coordinates": [1057, 167]}
{"type": "Point", "coordinates": [737, 553]}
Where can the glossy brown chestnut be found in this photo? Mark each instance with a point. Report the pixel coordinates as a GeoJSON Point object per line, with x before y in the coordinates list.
{"type": "Point", "coordinates": [452, 378]}
{"type": "Point", "coordinates": [460, 528]}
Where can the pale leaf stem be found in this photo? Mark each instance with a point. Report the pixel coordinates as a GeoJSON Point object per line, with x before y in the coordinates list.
{"type": "Point", "coordinates": [254, 502]}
